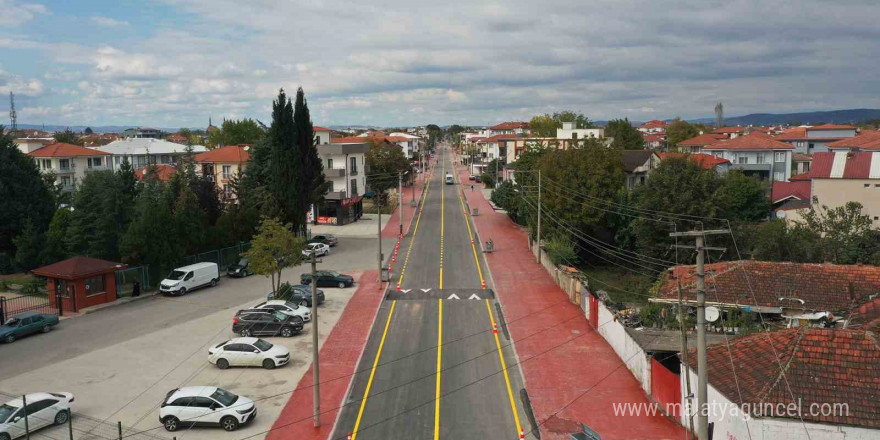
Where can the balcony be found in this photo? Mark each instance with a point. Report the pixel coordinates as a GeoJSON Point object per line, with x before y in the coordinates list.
{"type": "Point", "coordinates": [353, 172]}
{"type": "Point", "coordinates": [334, 172]}
{"type": "Point", "coordinates": [101, 168]}
{"type": "Point", "coordinates": [335, 195]}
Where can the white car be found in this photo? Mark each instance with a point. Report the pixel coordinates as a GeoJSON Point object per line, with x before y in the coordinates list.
{"type": "Point", "coordinates": [187, 278]}
{"type": "Point", "coordinates": [286, 307]}
{"type": "Point", "coordinates": [320, 249]}
{"type": "Point", "coordinates": [43, 409]}
{"type": "Point", "coordinates": [248, 352]}
{"type": "Point", "coordinates": [200, 405]}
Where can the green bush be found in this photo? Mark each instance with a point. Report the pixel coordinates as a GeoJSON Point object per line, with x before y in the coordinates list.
{"type": "Point", "coordinates": [488, 180]}
{"type": "Point", "coordinates": [560, 251]}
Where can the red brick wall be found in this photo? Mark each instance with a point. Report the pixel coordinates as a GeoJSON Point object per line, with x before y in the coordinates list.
{"type": "Point", "coordinates": [83, 301]}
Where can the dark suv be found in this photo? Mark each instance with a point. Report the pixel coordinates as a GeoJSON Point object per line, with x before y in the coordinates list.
{"type": "Point", "coordinates": [328, 278]}
{"type": "Point", "coordinates": [251, 322]}
{"type": "Point", "coordinates": [299, 294]}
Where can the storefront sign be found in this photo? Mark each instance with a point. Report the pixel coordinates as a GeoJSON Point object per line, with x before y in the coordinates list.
{"type": "Point", "coordinates": [326, 220]}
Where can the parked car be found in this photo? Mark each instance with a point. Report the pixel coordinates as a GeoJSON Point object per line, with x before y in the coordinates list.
{"type": "Point", "coordinates": [319, 249]}
{"type": "Point", "coordinates": [251, 322]}
{"type": "Point", "coordinates": [298, 294]}
{"type": "Point", "coordinates": [248, 352]}
{"type": "Point", "coordinates": [328, 239]}
{"type": "Point", "coordinates": [201, 405]}
{"type": "Point", "coordinates": [26, 324]}
{"type": "Point", "coordinates": [478, 179]}
{"type": "Point", "coordinates": [186, 278]}
{"type": "Point", "coordinates": [328, 278]}
{"type": "Point", "coordinates": [286, 307]}
{"type": "Point", "coordinates": [43, 409]}
{"type": "Point", "coordinates": [240, 269]}
{"type": "Point", "coordinates": [472, 177]}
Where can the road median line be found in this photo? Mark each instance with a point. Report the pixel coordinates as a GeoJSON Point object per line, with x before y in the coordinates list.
{"type": "Point", "coordinates": [439, 370]}
{"type": "Point", "coordinates": [504, 368]}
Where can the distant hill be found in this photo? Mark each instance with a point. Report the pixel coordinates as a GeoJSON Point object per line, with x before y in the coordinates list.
{"type": "Point", "coordinates": [852, 116]}
{"type": "Point", "coordinates": [96, 129]}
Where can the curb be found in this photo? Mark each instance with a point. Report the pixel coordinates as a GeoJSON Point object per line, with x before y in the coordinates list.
{"type": "Point", "coordinates": [117, 302]}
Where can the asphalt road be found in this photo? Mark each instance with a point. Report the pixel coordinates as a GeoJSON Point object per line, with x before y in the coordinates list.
{"type": "Point", "coordinates": [431, 368]}
{"type": "Point", "coordinates": [113, 325]}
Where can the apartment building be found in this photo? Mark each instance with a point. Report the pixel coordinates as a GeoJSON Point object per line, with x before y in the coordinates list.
{"type": "Point", "coordinates": [70, 163]}
{"type": "Point", "coordinates": [222, 165]}
{"type": "Point", "coordinates": [809, 140]}
{"type": "Point", "coordinates": [756, 154]}
{"type": "Point", "coordinates": [345, 169]}
{"type": "Point", "coordinates": [568, 131]}
{"type": "Point", "coordinates": [141, 152]}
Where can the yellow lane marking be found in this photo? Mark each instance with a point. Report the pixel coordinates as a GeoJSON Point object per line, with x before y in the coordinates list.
{"type": "Point", "coordinates": [504, 368]}
{"type": "Point", "coordinates": [439, 369]}
{"type": "Point", "coordinates": [357, 422]}
{"type": "Point", "coordinates": [442, 220]}
{"type": "Point", "coordinates": [415, 231]}
{"type": "Point", "coordinates": [471, 236]}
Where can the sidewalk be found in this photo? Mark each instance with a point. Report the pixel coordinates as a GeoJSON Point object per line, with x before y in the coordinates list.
{"type": "Point", "coordinates": [580, 380]}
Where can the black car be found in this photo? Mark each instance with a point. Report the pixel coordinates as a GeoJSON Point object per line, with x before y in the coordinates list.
{"type": "Point", "coordinates": [328, 278]}
{"type": "Point", "coordinates": [328, 239]}
{"type": "Point", "coordinates": [251, 322]}
{"type": "Point", "coordinates": [478, 179]}
{"type": "Point", "coordinates": [299, 294]}
{"type": "Point", "coordinates": [239, 269]}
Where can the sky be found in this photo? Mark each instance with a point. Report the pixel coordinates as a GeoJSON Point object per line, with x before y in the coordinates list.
{"type": "Point", "coordinates": [175, 63]}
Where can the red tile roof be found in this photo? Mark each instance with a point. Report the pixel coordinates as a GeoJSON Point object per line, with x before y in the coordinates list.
{"type": "Point", "coordinates": [794, 134]}
{"type": "Point", "coordinates": [867, 140]}
{"type": "Point", "coordinates": [706, 161]}
{"type": "Point", "coordinates": [501, 137]}
{"type": "Point", "coordinates": [702, 140]}
{"type": "Point", "coordinates": [818, 366]}
{"type": "Point", "coordinates": [227, 154]}
{"type": "Point", "coordinates": [654, 124]}
{"type": "Point", "coordinates": [857, 165]}
{"type": "Point", "coordinates": [867, 313]}
{"type": "Point", "coordinates": [729, 130]}
{"type": "Point", "coordinates": [800, 177]}
{"type": "Point", "coordinates": [833, 127]}
{"type": "Point", "coordinates": [800, 190]}
{"type": "Point", "coordinates": [176, 137]}
{"type": "Point", "coordinates": [163, 172]}
{"type": "Point", "coordinates": [651, 137]}
{"type": "Point", "coordinates": [352, 140]}
{"type": "Point", "coordinates": [319, 128]}
{"type": "Point", "coordinates": [822, 287]}
{"type": "Point", "coordinates": [755, 140]}
{"type": "Point", "coordinates": [509, 126]}
{"type": "Point", "coordinates": [77, 267]}
{"type": "Point", "coordinates": [60, 149]}
{"type": "Point", "coordinates": [800, 157]}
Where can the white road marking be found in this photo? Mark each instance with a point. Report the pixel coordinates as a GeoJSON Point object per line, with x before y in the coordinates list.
{"type": "Point", "coordinates": [474, 296]}
{"type": "Point", "coordinates": [426, 290]}
{"type": "Point", "coordinates": [405, 290]}
{"type": "Point", "coordinates": [453, 296]}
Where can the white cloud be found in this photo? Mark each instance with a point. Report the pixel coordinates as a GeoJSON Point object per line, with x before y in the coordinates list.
{"type": "Point", "coordinates": [15, 13]}
{"type": "Point", "coordinates": [108, 21]}
{"type": "Point", "coordinates": [19, 84]}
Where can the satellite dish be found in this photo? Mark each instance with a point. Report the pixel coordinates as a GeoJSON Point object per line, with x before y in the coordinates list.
{"type": "Point", "coordinates": [712, 313]}
{"type": "Point", "coordinates": [247, 148]}
{"type": "Point", "coordinates": [780, 214]}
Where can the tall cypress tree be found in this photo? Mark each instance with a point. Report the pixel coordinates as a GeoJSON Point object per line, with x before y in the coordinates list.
{"type": "Point", "coordinates": [284, 180]}
{"type": "Point", "coordinates": [311, 174]}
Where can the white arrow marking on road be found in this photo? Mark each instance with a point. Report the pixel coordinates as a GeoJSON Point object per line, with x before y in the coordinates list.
{"type": "Point", "coordinates": [453, 296]}
{"type": "Point", "coordinates": [473, 296]}
{"type": "Point", "coordinates": [425, 290]}
{"type": "Point", "coordinates": [405, 290]}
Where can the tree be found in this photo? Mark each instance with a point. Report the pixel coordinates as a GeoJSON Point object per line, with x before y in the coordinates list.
{"type": "Point", "coordinates": [68, 137]}
{"type": "Point", "coordinates": [434, 133]}
{"type": "Point", "coordinates": [23, 192]}
{"type": "Point", "coordinates": [543, 126]}
{"type": "Point", "coordinates": [626, 137]}
{"type": "Point", "coordinates": [505, 196]}
{"type": "Point", "coordinates": [189, 220]}
{"type": "Point", "coordinates": [56, 247]}
{"type": "Point", "coordinates": [284, 181]}
{"type": "Point", "coordinates": [775, 240]}
{"type": "Point", "coordinates": [846, 234]}
{"type": "Point", "coordinates": [741, 198]}
{"type": "Point", "coordinates": [385, 161]}
{"type": "Point", "coordinates": [311, 176]}
{"type": "Point", "coordinates": [580, 121]}
{"type": "Point", "coordinates": [679, 130]}
{"type": "Point", "coordinates": [146, 240]}
{"type": "Point", "coordinates": [234, 132]}
{"type": "Point", "coordinates": [274, 248]}
{"type": "Point", "coordinates": [94, 228]}
{"type": "Point", "coordinates": [28, 245]}
{"type": "Point", "coordinates": [88, 130]}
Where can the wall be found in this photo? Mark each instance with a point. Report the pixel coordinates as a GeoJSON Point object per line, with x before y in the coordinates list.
{"type": "Point", "coordinates": [83, 301]}
{"type": "Point", "coordinates": [824, 134]}
{"type": "Point", "coordinates": [836, 192]}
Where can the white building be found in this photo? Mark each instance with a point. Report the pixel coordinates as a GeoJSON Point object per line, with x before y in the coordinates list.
{"type": "Point", "coordinates": [568, 131]}
{"type": "Point", "coordinates": [141, 152]}
{"type": "Point", "coordinates": [345, 169]}
{"type": "Point", "coordinates": [70, 163]}
{"type": "Point", "coordinates": [755, 154]}
{"type": "Point", "coordinates": [809, 140]}
{"type": "Point", "coordinates": [322, 135]}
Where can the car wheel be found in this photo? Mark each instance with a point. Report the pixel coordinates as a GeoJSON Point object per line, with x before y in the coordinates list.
{"type": "Point", "coordinates": [287, 331]}
{"type": "Point", "coordinates": [47, 328]}
{"type": "Point", "coordinates": [222, 364]}
{"type": "Point", "coordinates": [214, 282]}
{"type": "Point", "coordinates": [171, 423]}
{"type": "Point", "coordinates": [268, 364]}
{"type": "Point", "coordinates": [62, 417]}
{"type": "Point", "coordinates": [182, 291]}
{"type": "Point", "coordinates": [341, 285]}
{"type": "Point", "coordinates": [229, 423]}
{"type": "Point", "coordinates": [10, 339]}
{"type": "Point", "coordinates": [5, 436]}
{"type": "Point", "coordinates": [245, 333]}
{"type": "Point", "coordinates": [298, 320]}
{"type": "Point", "coordinates": [304, 303]}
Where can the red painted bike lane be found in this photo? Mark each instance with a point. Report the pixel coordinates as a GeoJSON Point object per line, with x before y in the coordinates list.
{"type": "Point", "coordinates": [581, 379]}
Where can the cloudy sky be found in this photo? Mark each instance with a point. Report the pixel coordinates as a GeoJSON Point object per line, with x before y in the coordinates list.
{"type": "Point", "coordinates": [173, 63]}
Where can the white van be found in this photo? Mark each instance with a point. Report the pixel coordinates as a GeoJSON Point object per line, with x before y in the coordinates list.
{"type": "Point", "coordinates": [186, 278]}
{"type": "Point", "coordinates": [449, 180]}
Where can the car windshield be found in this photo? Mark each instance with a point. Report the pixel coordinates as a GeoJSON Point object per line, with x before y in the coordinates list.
{"type": "Point", "coordinates": [279, 316]}
{"type": "Point", "coordinates": [176, 275]}
{"type": "Point", "coordinates": [6, 411]}
{"type": "Point", "coordinates": [224, 397]}
{"type": "Point", "coordinates": [332, 274]}
{"type": "Point", "coordinates": [291, 305]}
{"type": "Point", "coordinates": [262, 345]}
{"type": "Point", "coordinates": [12, 322]}
{"type": "Point", "coordinates": [242, 262]}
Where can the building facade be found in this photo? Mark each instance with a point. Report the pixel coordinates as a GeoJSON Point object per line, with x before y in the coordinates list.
{"type": "Point", "coordinates": [809, 140]}
{"type": "Point", "coordinates": [756, 154]}
{"type": "Point", "coordinates": [345, 170]}
{"type": "Point", "coordinates": [141, 152]}
{"type": "Point", "coordinates": [69, 163]}
{"type": "Point", "coordinates": [223, 165]}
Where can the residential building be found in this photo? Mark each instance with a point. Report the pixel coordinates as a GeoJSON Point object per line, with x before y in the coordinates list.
{"type": "Point", "coordinates": [706, 161]}
{"type": "Point", "coordinates": [345, 168]}
{"type": "Point", "coordinates": [638, 164]}
{"type": "Point", "coordinates": [177, 138]}
{"type": "Point", "coordinates": [141, 152]}
{"type": "Point", "coordinates": [223, 165]}
{"type": "Point", "coordinates": [840, 177]}
{"type": "Point", "coordinates": [68, 162]}
{"type": "Point", "coordinates": [164, 172]}
{"type": "Point", "coordinates": [28, 144]}
{"type": "Point", "coordinates": [322, 135]}
{"type": "Point", "coordinates": [792, 384]}
{"type": "Point", "coordinates": [809, 140]}
{"type": "Point", "coordinates": [519, 128]}
{"type": "Point", "coordinates": [756, 154]}
{"type": "Point", "coordinates": [800, 163]}
{"type": "Point", "coordinates": [654, 126]}
{"type": "Point", "coordinates": [790, 200]}
{"type": "Point", "coordinates": [697, 143]}
{"type": "Point", "coordinates": [98, 140]}
{"type": "Point", "coordinates": [867, 140]}
{"type": "Point", "coordinates": [653, 141]}
{"type": "Point", "coordinates": [731, 132]}
{"type": "Point", "coordinates": [142, 132]}
{"type": "Point", "coordinates": [568, 131]}
{"type": "Point", "coordinates": [409, 144]}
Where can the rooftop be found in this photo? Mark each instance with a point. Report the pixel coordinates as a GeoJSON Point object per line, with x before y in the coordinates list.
{"type": "Point", "coordinates": [729, 130]}
{"type": "Point", "coordinates": [706, 161]}
{"type": "Point", "coordinates": [227, 154]}
{"type": "Point", "coordinates": [633, 159]}
{"type": "Point", "coordinates": [141, 146]}
{"type": "Point", "coordinates": [163, 172]}
{"type": "Point", "coordinates": [654, 124]}
{"type": "Point", "coordinates": [755, 140]}
{"type": "Point", "coordinates": [866, 140]}
{"type": "Point", "coordinates": [60, 149]}
{"type": "Point", "coordinates": [77, 267]}
{"type": "Point", "coordinates": [510, 126]}
{"type": "Point", "coordinates": [846, 165]}
{"type": "Point", "coordinates": [702, 140]}
{"type": "Point", "coordinates": [800, 190]}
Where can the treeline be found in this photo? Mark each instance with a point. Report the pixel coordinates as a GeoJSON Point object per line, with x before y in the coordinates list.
{"type": "Point", "coordinates": [589, 217]}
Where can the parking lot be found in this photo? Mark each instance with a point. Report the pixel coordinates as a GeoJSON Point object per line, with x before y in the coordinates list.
{"type": "Point", "coordinates": [121, 361]}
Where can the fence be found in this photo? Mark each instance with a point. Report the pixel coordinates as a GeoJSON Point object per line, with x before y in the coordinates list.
{"type": "Point", "coordinates": [126, 278]}
{"type": "Point", "coordinates": [224, 257]}
{"type": "Point", "coordinates": [11, 306]}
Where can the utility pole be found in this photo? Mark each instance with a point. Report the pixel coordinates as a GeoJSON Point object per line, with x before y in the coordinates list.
{"type": "Point", "coordinates": [539, 216]}
{"type": "Point", "coordinates": [684, 354]}
{"type": "Point", "coordinates": [378, 200]}
{"type": "Point", "coordinates": [702, 368]}
{"type": "Point", "coordinates": [400, 200]}
{"type": "Point", "coordinates": [27, 428]}
{"type": "Point", "coordinates": [315, 367]}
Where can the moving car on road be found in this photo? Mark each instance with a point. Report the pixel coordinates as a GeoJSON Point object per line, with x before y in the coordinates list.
{"type": "Point", "coordinates": [449, 179]}
{"type": "Point", "coordinates": [26, 324]}
{"type": "Point", "coordinates": [200, 405]}
{"type": "Point", "coordinates": [43, 409]}
{"type": "Point", "coordinates": [288, 308]}
{"type": "Point", "coordinates": [240, 269]}
{"type": "Point", "coordinates": [252, 322]}
{"type": "Point", "coordinates": [186, 278]}
{"type": "Point", "coordinates": [298, 294]}
{"type": "Point", "coordinates": [248, 352]}
{"type": "Point", "coordinates": [328, 239]}
{"type": "Point", "coordinates": [328, 278]}
{"type": "Point", "coordinates": [319, 249]}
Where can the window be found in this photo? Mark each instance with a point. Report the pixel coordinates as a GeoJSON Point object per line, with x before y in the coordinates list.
{"type": "Point", "coordinates": [182, 401]}
{"type": "Point", "coordinates": [118, 160]}
{"type": "Point", "coordinates": [227, 189]}
{"type": "Point", "coordinates": [780, 156]}
{"type": "Point", "coordinates": [97, 162]}
{"type": "Point", "coordinates": [46, 164]}
{"type": "Point", "coordinates": [329, 164]}
{"type": "Point", "coordinates": [227, 171]}
{"type": "Point", "coordinates": [202, 402]}
{"type": "Point", "coordinates": [742, 160]}
{"type": "Point", "coordinates": [65, 180]}
{"type": "Point", "coordinates": [759, 158]}
{"type": "Point", "coordinates": [64, 164]}
{"type": "Point", "coordinates": [867, 185]}
{"type": "Point", "coordinates": [354, 165]}
{"type": "Point", "coordinates": [94, 285]}
{"type": "Point", "coordinates": [331, 187]}
{"type": "Point", "coordinates": [779, 175]}
{"type": "Point", "coordinates": [354, 188]}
